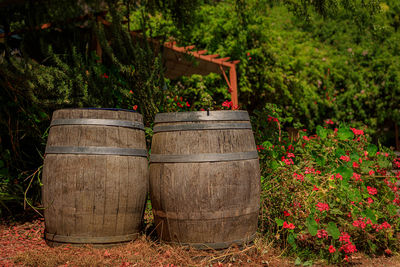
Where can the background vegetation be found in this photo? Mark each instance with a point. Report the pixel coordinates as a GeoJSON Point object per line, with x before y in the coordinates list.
{"type": "Point", "coordinates": [313, 60]}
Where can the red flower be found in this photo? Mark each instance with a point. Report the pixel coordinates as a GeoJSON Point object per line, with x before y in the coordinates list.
{"type": "Point", "coordinates": [372, 190]}
{"type": "Point", "coordinates": [345, 237]}
{"type": "Point", "coordinates": [332, 249]}
{"type": "Point", "coordinates": [388, 251]}
{"type": "Point", "coordinates": [179, 105]}
{"type": "Point", "coordinates": [355, 165]}
{"type": "Point", "coordinates": [288, 226]}
{"type": "Point", "coordinates": [322, 206]}
{"type": "Point", "coordinates": [370, 200]}
{"type": "Point", "coordinates": [260, 147]}
{"type": "Point", "coordinates": [287, 161]}
{"type": "Point", "coordinates": [134, 107]}
{"type": "Point", "coordinates": [299, 177]}
{"type": "Point", "coordinates": [131, 92]}
{"type": "Point", "coordinates": [329, 121]}
{"type": "Point", "coordinates": [290, 155]}
{"type": "Point", "coordinates": [286, 213]}
{"type": "Point", "coordinates": [345, 158]}
{"type": "Point", "coordinates": [338, 176]}
{"type": "Point", "coordinates": [227, 104]}
{"type": "Point", "coordinates": [371, 172]}
{"type": "Point", "coordinates": [306, 138]}
{"type": "Point", "coordinates": [315, 188]}
{"type": "Point", "coordinates": [187, 104]}
{"type": "Point", "coordinates": [181, 98]}
{"type": "Point", "coordinates": [104, 75]}
{"type": "Point", "coordinates": [322, 233]}
{"type": "Point", "coordinates": [357, 132]}
{"type": "Point", "coordinates": [357, 177]}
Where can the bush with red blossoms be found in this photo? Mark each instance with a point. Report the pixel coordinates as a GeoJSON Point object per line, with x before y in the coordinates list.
{"type": "Point", "coordinates": [332, 193]}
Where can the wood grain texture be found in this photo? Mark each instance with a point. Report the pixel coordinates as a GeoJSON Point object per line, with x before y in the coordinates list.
{"type": "Point", "coordinates": [93, 198]}
{"type": "Point", "coordinates": [205, 202]}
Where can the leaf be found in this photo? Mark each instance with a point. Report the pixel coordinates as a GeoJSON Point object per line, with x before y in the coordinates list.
{"type": "Point", "coordinates": [279, 222]}
{"type": "Point", "coordinates": [391, 209]}
{"type": "Point", "coordinates": [267, 144]}
{"type": "Point", "coordinates": [345, 134]}
{"type": "Point", "coordinates": [371, 215]}
{"type": "Point", "coordinates": [308, 263]}
{"type": "Point", "coordinates": [320, 161]}
{"type": "Point", "coordinates": [321, 132]}
{"type": "Point", "coordinates": [383, 163]}
{"type": "Point", "coordinates": [1, 164]}
{"type": "Point", "coordinates": [340, 152]}
{"type": "Point", "coordinates": [333, 230]}
{"type": "Point", "coordinates": [372, 149]}
{"type": "Point", "coordinates": [336, 212]}
{"type": "Point", "coordinates": [312, 225]}
{"type": "Point", "coordinates": [274, 165]}
{"type": "Point", "coordinates": [354, 157]}
{"type": "Point", "coordinates": [297, 261]}
{"type": "Point", "coordinates": [345, 172]}
{"type": "Point", "coordinates": [292, 240]}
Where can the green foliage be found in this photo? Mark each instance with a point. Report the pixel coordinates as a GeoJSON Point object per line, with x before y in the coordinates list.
{"type": "Point", "coordinates": [333, 188]}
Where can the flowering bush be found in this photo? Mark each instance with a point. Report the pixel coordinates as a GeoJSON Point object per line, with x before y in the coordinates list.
{"type": "Point", "coordinates": [330, 194]}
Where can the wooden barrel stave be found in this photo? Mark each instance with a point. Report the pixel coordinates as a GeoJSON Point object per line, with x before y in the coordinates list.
{"type": "Point", "coordinates": [94, 197]}
{"type": "Point", "coordinates": [204, 203]}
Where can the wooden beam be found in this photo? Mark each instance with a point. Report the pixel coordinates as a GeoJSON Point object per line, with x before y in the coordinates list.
{"type": "Point", "coordinates": [201, 52]}
{"type": "Point", "coordinates": [233, 83]}
{"type": "Point", "coordinates": [222, 59]}
{"type": "Point", "coordinates": [190, 47]}
{"type": "Point", "coordinates": [210, 56]}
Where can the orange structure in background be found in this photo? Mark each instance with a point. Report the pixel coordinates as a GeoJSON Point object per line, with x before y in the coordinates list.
{"type": "Point", "coordinates": [177, 64]}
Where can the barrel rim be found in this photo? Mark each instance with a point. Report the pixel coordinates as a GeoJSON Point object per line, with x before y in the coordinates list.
{"type": "Point", "coordinates": [72, 239]}
{"type": "Point", "coordinates": [94, 108]}
{"type": "Point", "coordinates": [214, 115]}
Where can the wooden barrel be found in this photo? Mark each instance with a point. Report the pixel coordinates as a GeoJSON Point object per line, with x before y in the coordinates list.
{"type": "Point", "coordinates": [204, 178]}
{"type": "Point", "coordinates": [95, 177]}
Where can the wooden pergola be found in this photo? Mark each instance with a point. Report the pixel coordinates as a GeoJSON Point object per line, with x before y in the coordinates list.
{"type": "Point", "coordinates": [177, 64]}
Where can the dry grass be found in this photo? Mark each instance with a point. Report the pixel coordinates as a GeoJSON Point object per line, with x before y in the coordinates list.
{"type": "Point", "coordinates": [23, 245]}
{"type": "Point", "coordinates": [144, 252]}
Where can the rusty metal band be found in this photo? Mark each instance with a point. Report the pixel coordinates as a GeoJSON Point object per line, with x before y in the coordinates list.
{"type": "Point", "coordinates": [219, 245]}
{"type": "Point", "coordinates": [206, 215]}
{"type": "Point", "coordinates": [190, 127]}
{"type": "Point", "coordinates": [226, 115]}
{"type": "Point", "coordinates": [208, 157]}
{"type": "Point", "coordinates": [91, 150]}
{"type": "Point", "coordinates": [90, 240]}
{"type": "Point", "coordinates": [104, 122]}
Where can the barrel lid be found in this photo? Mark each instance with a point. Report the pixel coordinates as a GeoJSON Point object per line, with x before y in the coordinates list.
{"type": "Point", "coordinates": [218, 115]}
{"type": "Point", "coordinates": [112, 109]}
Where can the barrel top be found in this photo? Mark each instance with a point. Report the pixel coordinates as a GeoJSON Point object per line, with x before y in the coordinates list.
{"type": "Point", "coordinates": [219, 115]}
{"type": "Point", "coordinates": [112, 109]}
{"type": "Point", "coordinates": [97, 113]}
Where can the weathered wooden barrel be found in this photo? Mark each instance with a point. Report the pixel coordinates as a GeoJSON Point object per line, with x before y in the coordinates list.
{"type": "Point", "coordinates": [204, 178]}
{"type": "Point", "coordinates": [95, 177]}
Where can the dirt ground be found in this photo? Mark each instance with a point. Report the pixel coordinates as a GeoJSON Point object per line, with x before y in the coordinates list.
{"type": "Point", "coordinates": [23, 245]}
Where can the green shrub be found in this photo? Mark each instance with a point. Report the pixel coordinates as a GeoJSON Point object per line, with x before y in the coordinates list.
{"type": "Point", "coordinates": [330, 194]}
